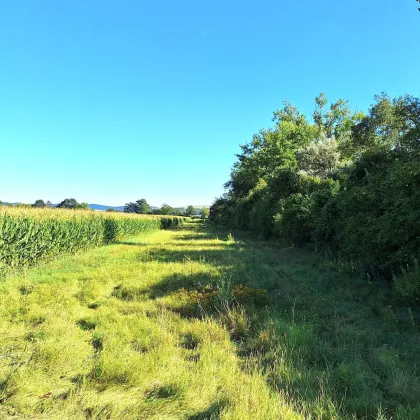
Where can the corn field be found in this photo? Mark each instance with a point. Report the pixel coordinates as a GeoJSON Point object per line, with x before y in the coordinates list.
{"type": "Point", "coordinates": [28, 236]}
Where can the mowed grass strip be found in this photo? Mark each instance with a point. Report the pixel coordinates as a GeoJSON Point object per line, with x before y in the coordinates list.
{"type": "Point", "coordinates": [194, 324]}
{"type": "Point", "coordinates": [97, 335]}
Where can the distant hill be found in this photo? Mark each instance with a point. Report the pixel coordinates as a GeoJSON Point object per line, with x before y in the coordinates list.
{"type": "Point", "coordinates": [102, 207]}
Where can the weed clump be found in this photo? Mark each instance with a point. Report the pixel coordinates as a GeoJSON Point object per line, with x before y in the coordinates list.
{"type": "Point", "coordinates": [161, 392]}
{"type": "Point", "coordinates": [126, 293]}
{"type": "Point", "coordinates": [190, 341]}
{"type": "Point", "coordinates": [86, 324]}
{"type": "Point", "coordinates": [209, 299]}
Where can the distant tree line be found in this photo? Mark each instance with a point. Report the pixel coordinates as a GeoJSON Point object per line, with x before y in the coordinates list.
{"type": "Point", "coordinates": [345, 183]}
{"type": "Point", "coordinates": [142, 207]}
{"type": "Point", "coordinates": [67, 203]}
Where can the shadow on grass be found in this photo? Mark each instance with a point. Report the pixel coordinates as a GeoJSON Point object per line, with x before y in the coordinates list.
{"type": "Point", "coordinates": [132, 243]}
{"type": "Point", "coordinates": [212, 412]}
{"type": "Point", "coordinates": [203, 246]}
{"type": "Point", "coordinates": [194, 237]}
{"type": "Point", "coordinates": [221, 256]}
{"type": "Point", "coordinates": [176, 282]}
{"type": "Point", "coordinates": [320, 332]}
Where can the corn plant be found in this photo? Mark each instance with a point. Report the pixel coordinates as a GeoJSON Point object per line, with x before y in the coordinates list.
{"type": "Point", "coordinates": [28, 236]}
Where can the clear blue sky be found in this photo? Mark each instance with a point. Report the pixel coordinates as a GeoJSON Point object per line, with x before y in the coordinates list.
{"type": "Point", "coordinates": [112, 101]}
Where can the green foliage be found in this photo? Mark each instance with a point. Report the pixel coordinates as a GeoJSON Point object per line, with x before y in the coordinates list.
{"type": "Point", "coordinates": [377, 220]}
{"type": "Point", "coordinates": [319, 158]}
{"type": "Point", "coordinates": [221, 212]}
{"type": "Point", "coordinates": [204, 213]}
{"type": "Point", "coordinates": [140, 207]}
{"type": "Point", "coordinates": [30, 236]}
{"type": "Point", "coordinates": [71, 203]}
{"type": "Point", "coordinates": [143, 207]}
{"type": "Point", "coordinates": [189, 211]}
{"type": "Point", "coordinates": [347, 184]}
{"type": "Point", "coordinates": [407, 284]}
{"type": "Point", "coordinates": [131, 208]}
{"type": "Point", "coordinates": [39, 204]}
{"type": "Point", "coordinates": [294, 221]}
{"type": "Point", "coordinates": [166, 209]}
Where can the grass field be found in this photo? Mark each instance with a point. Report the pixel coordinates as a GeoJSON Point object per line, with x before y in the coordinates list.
{"type": "Point", "coordinates": [194, 324]}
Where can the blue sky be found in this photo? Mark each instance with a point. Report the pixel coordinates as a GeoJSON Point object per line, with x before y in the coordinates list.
{"type": "Point", "coordinates": [112, 101]}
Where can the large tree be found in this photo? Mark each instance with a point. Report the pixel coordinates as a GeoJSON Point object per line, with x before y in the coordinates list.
{"type": "Point", "coordinates": [189, 211]}
{"type": "Point", "coordinates": [131, 208]}
{"type": "Point", "coordinates": [166, 209]}
{"type": "Point", "coordinates": [143, 206]}
{"type": "Point", "coordinates": [204, 213]}
{"type": "Point", "coordinates": [39, 204]}
{"type": "Point", "coordinates": [140, 207]}
{"type": "Point", "coordinates": [71, 203]}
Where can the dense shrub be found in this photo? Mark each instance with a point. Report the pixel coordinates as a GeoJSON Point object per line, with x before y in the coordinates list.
{"type": "Point", "coordinates": [295, 221]}
{"type": "Point", "coordinates": [348, 184]}
{"type": "Point", "coordinates": [379, 222]}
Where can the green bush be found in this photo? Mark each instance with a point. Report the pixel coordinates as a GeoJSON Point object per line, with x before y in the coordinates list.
{"type": "Point", "coordinates": [348, 183]}
{"type": "Point", "coordinates": [294, 222]}
{"type": "Point", "coordinates": [377, 220]}
{"type": "Point", "coordinates": [407, 284]}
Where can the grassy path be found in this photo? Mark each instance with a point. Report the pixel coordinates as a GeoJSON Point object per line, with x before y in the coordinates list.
{"type": "Point", "coordinates": [185, 325]}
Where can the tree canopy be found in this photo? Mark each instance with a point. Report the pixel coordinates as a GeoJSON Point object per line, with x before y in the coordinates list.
{"type": "Point", "coordinates": [39, 204]}
{"type": "Point", "coordinates": [71, 203]}
{"type": "Point", "coordinates": [343, 182]}
{"type": "Point", "coordinates": [189, 211]}
{"type": "Point", "coordinates": [140, 207]}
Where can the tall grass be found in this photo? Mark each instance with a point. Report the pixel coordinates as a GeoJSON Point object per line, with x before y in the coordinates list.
{"type": "Point", "coordinates": [179, 324]}
{"type": "Point", "coordinates": [28, 236]}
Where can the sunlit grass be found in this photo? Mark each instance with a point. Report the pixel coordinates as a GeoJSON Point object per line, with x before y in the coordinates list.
{"type": "Point", "coordinates": [185, 324]}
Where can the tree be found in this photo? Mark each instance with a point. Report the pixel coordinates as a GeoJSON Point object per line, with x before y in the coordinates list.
{"type": "Point", "coordinates": [48, 204]}
{"type": "Point", "coordinates": [204, 213]}
{"type": "Point", "coordinates": [166, 209]}
{"type": "Point", "coordinates": [391, 124]}
{"type": "Point", "coordinates": [140, 207]}
{"type": "Point", "coordinates": [110, 210]}
{"type": "Point", "coordinates": [131, 208]}
{"type": "Point", "coordinates": [189, 211]}
{"type": "Point", "coordinates": [319, 158]}
{"type": "Point", "coordinates": [143, 207]}
{"type": "Point", "coordinates": [71, 203]}
{"type": "Point", "coordinates": [39, 204]}
{"type": "Point", "coordinates": [68, 203]}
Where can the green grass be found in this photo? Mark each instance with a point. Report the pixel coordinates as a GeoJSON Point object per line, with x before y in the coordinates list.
{"type": "Point", "coordinates": [185, 324]}
{"type": "Point", "coordinates": [29, 236]}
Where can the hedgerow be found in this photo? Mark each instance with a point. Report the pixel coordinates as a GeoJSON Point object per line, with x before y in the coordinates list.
{"type": "Point", "coordinates": [347, 185]}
